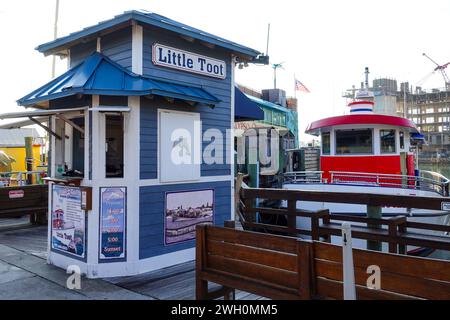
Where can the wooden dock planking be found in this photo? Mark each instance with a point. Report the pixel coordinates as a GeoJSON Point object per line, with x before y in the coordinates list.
{"type": "Point", "coordinates": [173, 283]}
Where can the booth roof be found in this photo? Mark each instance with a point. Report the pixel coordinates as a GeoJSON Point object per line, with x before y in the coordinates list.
{"type": "Point", "coordinates": [101, 76]}
{"type": "Point", "coordinates": [146, 18]}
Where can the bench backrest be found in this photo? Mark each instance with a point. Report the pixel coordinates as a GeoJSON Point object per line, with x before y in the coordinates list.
{"type": "Point", "coordinates": [401, 277]}
{"type": "Point", "coordinates": [259, 263]}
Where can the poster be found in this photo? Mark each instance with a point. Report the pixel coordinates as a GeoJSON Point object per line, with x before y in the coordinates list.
{"type": "Point", "coordinates": [112, 223]}
{"type": "Point", "coordinates": [184, 210]}
{"type": "Point", "coordinates": [68, 221]}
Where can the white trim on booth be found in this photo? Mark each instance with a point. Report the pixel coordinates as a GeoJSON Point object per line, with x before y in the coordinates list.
{"type": "Point", "coordinates": [98, 168]}
{"type": "Point", "coordinates": [166, 260]}
{"type": "Point", "coordinates": [208, 179]}
{"type": "Point", "coordinates": [230, 139]}
{"type": "Point", "coordinates": [137, 49]}
{"type": "Point", "coordinates": [117, 269]}
{"type": "Point", "coordinates": [132, 175]}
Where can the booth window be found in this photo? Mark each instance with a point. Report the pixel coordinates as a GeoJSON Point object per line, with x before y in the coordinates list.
{"type": "Point", "coordinates": [402, 140]}
{"type": "Point", "coordinates": [114, 146]}
{"type": "Point", "coordinates": [358, 141]}
{"type": "Point", "coordinates": [326, 143]}
{"type": "Point", "coordinates": [387, 141]}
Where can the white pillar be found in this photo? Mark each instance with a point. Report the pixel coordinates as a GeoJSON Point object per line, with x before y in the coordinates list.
{"type": "Point", "coordinates": [347, 263]}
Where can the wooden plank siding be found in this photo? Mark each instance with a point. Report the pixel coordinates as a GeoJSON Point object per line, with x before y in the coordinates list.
{"type": "Point", "coordinates": [151, 215]}
{"type": "Point", "coordinates": [116, 46]}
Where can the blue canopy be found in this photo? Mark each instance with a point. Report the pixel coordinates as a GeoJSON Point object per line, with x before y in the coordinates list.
{"type": "Point", "coordinates": [244, 108]}
{"type": "Point", "coordinates": [101, 76]}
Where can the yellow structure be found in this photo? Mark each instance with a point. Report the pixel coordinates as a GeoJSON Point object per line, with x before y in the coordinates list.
{"type": "Point", "coordinates": [12, 143]}
{"type": "Point", "coordinates": [19, 154]}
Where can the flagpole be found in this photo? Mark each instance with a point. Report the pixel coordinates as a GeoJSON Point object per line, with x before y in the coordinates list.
{"type": "Point", "coordinates": [295, 88]}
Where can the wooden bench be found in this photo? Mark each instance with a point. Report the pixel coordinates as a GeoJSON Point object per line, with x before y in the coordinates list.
{"type": "Point", "coordinates": [281, 267]}
{"type": "Point", "coordinates": [25, 200]}
{"type": "Point", "coordinates": [402, 277]}
{"type": "Point", "coordinates": [262, 264]}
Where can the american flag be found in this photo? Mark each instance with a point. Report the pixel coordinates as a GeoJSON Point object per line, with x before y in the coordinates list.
{"type": "Point", "coordinates": [300, 86]}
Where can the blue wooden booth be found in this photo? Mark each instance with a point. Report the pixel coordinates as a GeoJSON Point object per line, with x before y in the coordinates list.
{"type": "Point", "coordinates": [137, 126]}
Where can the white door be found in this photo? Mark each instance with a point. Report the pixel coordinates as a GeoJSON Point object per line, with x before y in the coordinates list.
{"type": "Point", "coordinates": [179, 146]}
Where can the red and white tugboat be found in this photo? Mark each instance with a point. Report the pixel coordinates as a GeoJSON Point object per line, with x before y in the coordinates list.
{"type": "Point", "coordinates": [370, 153]}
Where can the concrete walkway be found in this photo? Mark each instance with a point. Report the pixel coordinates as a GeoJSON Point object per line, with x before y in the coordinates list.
{"type": "Point", "coordinates": [24, 276]}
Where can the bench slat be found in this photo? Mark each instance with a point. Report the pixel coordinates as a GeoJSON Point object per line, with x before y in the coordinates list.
{"type": "Point", "coordinates": [265, 257]}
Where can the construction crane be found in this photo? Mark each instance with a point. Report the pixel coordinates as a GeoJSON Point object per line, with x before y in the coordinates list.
{"type": "Point", "coordinates": [441, 69]}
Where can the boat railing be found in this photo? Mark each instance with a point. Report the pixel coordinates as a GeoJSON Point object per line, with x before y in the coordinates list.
{"type": "Point", "coordinates": [436, 183]}
{"type": "Point", "coordinates": [426, 181]}
{"type": "Point", "coordinates": [303, 177]}
{"type": "Point", "coordinates": [21, 178]}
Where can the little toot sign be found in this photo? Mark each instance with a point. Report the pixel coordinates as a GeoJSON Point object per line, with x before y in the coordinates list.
{"type": "Point", "coordinates": [187, 61]}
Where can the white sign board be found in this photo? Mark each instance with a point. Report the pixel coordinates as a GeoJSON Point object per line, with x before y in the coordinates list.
{"type": "Point", "coordinates": [68, 221]}
{"type": "Point", "coordinates": [187, 61]}
{"type": "Point", "coordinates": [180, 146]}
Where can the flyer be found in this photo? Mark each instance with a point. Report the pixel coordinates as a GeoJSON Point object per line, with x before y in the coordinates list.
{"type": "Point", "coordinates": [112, 223]}
{"type": "Point", "coordinates": [68, 221]}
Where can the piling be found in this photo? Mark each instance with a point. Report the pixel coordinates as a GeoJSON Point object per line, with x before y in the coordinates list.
{"type": "Point", "coordinates": [375, 213]}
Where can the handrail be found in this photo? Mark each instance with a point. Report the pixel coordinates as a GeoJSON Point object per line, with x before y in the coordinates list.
{"type": "Point", "coordinates": [303, 176]}
{"type": "Point", "coordinates": [398, 233]}
{"type": "Point", "coordinates": [20, 177]}
{"type": "Point", "coordinates": [440, 185]}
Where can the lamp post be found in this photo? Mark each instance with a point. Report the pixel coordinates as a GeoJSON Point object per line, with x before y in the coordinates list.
{"type": "Point", "coordinates": [275, 66]}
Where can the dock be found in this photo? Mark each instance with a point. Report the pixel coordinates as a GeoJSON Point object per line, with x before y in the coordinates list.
{"type": "Point", "coordinates": [23, 254]}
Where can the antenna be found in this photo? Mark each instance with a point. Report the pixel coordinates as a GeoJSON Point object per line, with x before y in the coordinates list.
{"type": "Point", "coordinates": [55, 35]}
{"type": "Point", "coordinates": [367, 78]}
{"type": "Point", "coordinates": [268, 36]}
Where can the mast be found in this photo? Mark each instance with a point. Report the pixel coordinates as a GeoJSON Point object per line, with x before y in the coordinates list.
{"type": "Point", "coordinates": [55, 35]}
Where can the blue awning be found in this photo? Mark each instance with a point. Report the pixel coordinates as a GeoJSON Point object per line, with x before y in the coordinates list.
{"type": "Point", "coordinates": [244, 108]}
{"type": "Point", "coordinates": [101, 76]}
{"type": "Point", "coordinates": [266, 104]}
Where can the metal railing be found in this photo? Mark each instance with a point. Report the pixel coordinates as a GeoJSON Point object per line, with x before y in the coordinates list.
{"type": "Point", "coordinates": [303, 177]}
{"type": "Point", "coordinates": [437, 183]}
{"type": "Point", "coordinates": [427, 181]}
{"type": "Point", "coordinates": [21, 178]}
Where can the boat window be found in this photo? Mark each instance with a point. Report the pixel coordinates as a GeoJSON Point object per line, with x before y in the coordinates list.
{"type": "Point", "coordinates": [326, 143]}
{"type": "Point", "coordinates": [387, 141]}
{"type": "Point", "coordinates": [114, 146]}
{"type": "Point", "coordinates": [357, 141]}
{"type": "Point", "coordinates": [402, 140]}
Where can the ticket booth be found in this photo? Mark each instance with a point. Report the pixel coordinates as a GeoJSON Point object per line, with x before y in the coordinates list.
{"type": "Point", "coordinates": [141, 149]}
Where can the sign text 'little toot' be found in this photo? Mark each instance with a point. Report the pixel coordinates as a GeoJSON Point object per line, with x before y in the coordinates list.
{"type": "Point", "coordinates": [187, 61]}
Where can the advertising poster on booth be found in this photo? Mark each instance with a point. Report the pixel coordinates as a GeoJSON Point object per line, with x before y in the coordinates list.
{"type": "Point", "coordinates": [112, 223]}
{"type": "Point", "coordinates": [184, 211]}
{"type": "Point", "coordinates": [68, 221]}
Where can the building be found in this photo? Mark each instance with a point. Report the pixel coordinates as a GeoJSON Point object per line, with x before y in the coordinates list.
{"type": "Point", "coordinates": [142, 114]}
{"type": "Point", "coordinates": [280, 113]}
{"type": "Point", "coordinates": [278, 116]}
{"type": "Point", "coordinates": [12, 143]}
{"type": "Point", "coordinates": [428, 109]}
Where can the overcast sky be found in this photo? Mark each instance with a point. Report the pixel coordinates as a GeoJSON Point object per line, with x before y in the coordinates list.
{"type": "Point", "coordinates": [326, 43]}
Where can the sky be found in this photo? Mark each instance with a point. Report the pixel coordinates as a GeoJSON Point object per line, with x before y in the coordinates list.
{"type": "Point", "coordinates": [326, 44]}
